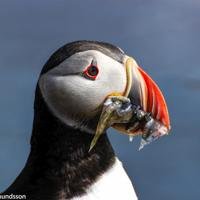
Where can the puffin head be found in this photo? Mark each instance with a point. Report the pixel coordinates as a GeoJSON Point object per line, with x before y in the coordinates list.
{"type": "Point", "coordinates": [79, 76]}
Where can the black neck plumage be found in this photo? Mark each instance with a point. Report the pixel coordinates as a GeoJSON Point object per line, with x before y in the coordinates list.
{"type": "Point", "coordinates": [59, 165]}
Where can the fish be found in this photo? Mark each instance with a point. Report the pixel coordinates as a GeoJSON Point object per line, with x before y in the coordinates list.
{"type": "Point", "coordinates": [127, 116]}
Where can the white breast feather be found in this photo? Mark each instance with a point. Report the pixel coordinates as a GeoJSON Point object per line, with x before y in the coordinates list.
{"type": "Point", "coordinates": [112, 185]}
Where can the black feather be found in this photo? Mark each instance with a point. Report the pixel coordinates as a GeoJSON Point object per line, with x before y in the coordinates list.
{"type": "Point", "coordinates": [59, 165]}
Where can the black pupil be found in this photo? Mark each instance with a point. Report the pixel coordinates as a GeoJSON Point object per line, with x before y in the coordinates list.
{"type": "Point", "coordinates": [93, 71]}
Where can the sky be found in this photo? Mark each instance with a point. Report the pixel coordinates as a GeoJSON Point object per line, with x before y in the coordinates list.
{"type": "Point", "coordinates": [162, 35]}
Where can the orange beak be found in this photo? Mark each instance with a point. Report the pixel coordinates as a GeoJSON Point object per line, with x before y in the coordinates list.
{"type": "Point", "coordinates": [155, 101]}
{"type": "Point", "coordinates": [145, 93]}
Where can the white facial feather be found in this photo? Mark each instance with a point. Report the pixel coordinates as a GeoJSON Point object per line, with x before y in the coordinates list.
{"type": "Point", "coordinates": [71, 96]}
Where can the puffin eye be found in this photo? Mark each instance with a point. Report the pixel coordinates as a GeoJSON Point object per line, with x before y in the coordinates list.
{"type": "Point", "coordinates": [91, 72]}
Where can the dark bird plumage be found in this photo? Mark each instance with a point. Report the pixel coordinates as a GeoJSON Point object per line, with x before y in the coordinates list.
{"type": "Point", "coordinates": [59, 165]}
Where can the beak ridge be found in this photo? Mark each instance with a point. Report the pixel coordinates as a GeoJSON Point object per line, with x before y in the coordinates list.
{"type": "Point", "coordinates": [155, 100]}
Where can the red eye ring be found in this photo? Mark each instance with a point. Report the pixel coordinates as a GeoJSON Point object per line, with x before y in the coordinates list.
{"type": "Point", "coordinates": [91, 72]}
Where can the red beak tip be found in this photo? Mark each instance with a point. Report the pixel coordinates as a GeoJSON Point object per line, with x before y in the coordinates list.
{"type": "Point", "coordinates": [156, 103]}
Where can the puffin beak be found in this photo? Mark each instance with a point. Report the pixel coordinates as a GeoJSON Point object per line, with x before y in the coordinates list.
{"type": "Point", "coordinates": [145, 93]}
{"type": "Point", "coordinates": [149, 101]}
{"type": "Point", "coordinates": [140, 110]}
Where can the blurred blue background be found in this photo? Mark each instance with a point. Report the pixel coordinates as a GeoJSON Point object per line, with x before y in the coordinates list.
{"type": "Point", "coordinates": [163, 36]}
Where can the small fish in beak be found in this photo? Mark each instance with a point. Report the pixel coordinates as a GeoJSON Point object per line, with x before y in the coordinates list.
{"type": "Point", "coordinates": [141, 110]}
{"type": "Point", "coordinates": [116, 109]}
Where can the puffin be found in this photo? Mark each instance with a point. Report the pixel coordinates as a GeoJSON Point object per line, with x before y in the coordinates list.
{"type": "Point", "coordinates": [69, 97]}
